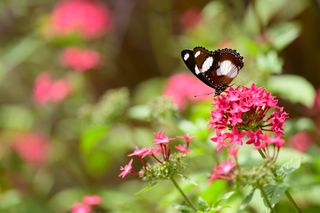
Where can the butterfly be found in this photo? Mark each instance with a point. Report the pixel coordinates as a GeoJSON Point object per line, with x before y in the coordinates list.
{"type": "Point", "coordinates": [215, 68]}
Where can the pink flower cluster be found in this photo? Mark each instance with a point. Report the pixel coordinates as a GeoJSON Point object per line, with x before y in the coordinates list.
{"type": "Point", "coordinates": [250, 115]}
{"type": "Point", "coordinates": [32, 147]}
{"type": "Point", "coordinates": [183, 87]}
{"type": "Point", "coordinates": [160, 152]}
{"type": "Point", "coordinates": [190, 18]}
{"type": "Point", "coordinates": [88, 202]}
{"type": "Point", "coordinates": [46, 90]}
{"type": "Point", "coordinates": [80, 59]}
{"type": "Point", "coordinates": [88, 18]}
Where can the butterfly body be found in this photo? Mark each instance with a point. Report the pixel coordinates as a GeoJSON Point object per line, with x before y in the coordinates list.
{"type": "Point", "coordinates": [216, 68]}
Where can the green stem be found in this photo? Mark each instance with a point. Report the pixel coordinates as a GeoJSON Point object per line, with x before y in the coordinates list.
{"type": "Point", "coordinates": [287, 193]}
{"type": "Point", "coordinates": [292, 201]}
{"type": "Point", "coordinates": [265, 197]}
{"type": "Point", "coordinates": [183, 194]}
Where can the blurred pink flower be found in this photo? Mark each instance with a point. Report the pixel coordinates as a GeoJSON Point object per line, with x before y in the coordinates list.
{"type": "Point", "coordinates": [80, 208]}
{"type": "Point", "coordinates": [223, 171]}
{"type": "Point", "coordinates": [91, 200]}
{"type": "Point", "coordinates": [190, 18]}
{"type": "Point", "coordinates": [160, 138]}
{"type": "Point", "coordinates": [182, 87]}
{"type": "Point", "coordinates": [182, 149]}
{"type": "Point", "coordinates": [187, 139]}
{"type": "Point", "coordinates": [127, 169]}
{"type": "Point", "coordinates": [301, 141]}
{"type": "Point", "coordinates": [90, 19]}
{"type": "Point", "coordinates": [142, 153]}
{"type": "Point", "coordinates": [32, 147]}
{"type": "Point", "coordinates": [46, 90]}
{"type": "Point", "coordinates": [80, 59]}
{"type": "Point", "coordinates": [233, 151]}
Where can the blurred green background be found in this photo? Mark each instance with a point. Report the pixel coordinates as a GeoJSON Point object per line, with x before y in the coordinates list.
{"type": "Point", "coordinates": [83, 82]}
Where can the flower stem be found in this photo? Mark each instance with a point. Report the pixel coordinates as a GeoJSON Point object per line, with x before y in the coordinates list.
{"type": "Point", "coordinates": [292, 201]}
{"type": "Point", "coordinates": [287, 193]}
{"type": "Point", "coordinates": [265, 197]}
{"type": "Point", "coordinates": [183, 194]}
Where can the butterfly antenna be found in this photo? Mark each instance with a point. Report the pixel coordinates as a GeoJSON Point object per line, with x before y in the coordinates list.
{"type": "Point", "coordinates": [197, 96]}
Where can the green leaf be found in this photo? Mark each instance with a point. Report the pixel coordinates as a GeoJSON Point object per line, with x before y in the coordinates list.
{"type": "Point", "coordinates": [147, 90]}
{"type": "Point", "coordinates": [267, 9]}
{"type": "Point", "coordinates": [275, 192]}
{"type": "Point", "coordinates": [147, 188]}
{"type": "Point", "coordinates": [19, 53]}
{"type": "Point", "coordinates": [139, 112]}
{"type": "Point", "coordinates": [188, 180]}
{"type": "Point", "coordinates": [288, 168]}
{"type": "Point", "coordinates": [97, 162]}
{"type": "Point", "coordinates": [287, 153]}
{"type": "Point", "coordinates": [269, 62]}
{"type": "Point", "coordinates": [305, 124]}
{"type": "Point", "coordinates": [202, 204]}
{"type": "Point", "coordinates": [9, 199]}
{"type": "Point", "coordinates": [283, 34]}
{"type": "Point", "coordinates": [15, 117]}
{"type": "Point", "coordinates": [92, 136]}
{"type": "Point", "coordinates": [293, 88]}
{"type": "Point", "coordinates": [247, 200]}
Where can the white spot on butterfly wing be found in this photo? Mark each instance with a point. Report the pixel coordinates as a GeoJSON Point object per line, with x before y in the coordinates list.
{"type": "Point", "coordinates": [207, 64]}
{"type": "Point", "coordinates": [197, 53]}
{"type": "Point", "coordinates": [196, 69]}
{"type": "Point", "coordinates": [186, 56]}
{"type": "Point", "coordinates": [227, 68]}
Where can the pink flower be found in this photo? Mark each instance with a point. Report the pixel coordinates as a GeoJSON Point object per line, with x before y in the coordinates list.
{"type": "Point", "coordinates": [32, 147]}
{"type": "Point", "coordinates": [187, 139]}
{"type": "Point", "coordinates": [89, 19]}
{"type": "Point", "coordinates": [182, 88]}
{"type": "Point", "coordinates": [245, 112]}
{"type": "Point", "coordinates": [233, 151]}
{"type": "Point", "coordinates": [190, 18]}
{"type": "Point", "coordinates": [142, 153]}
{"type": "Point", "coordinates": [46, 90]}
{"type": "Point", "coordinates": [235, 136]}
{"type": "Point", "coordinates": [182, 149]}
{"type": "Point", "coordinates": [223, 171]}
{"type": "Point", "coordinates": [255, 137]}
{"type": "Point", "coordinates": [91, 200]}
{"type": "Point", "coordinates": [127, 169]}
{"type": "Point", "coordinates": [226, 167]}
{"type": "Point", "coordinates": [80, 208]}
{"type": "Point", "coordinates": [80, 60]}
{"type": "Point", "coordinates": [276, 141]}
{"type": "Point", "coordinates": [161, 138]}
{"type": "Point", "coordinates": [301, 141]}
{"type": "Point", "coordinates": [220, 139]}
{"type": "Point", "coordinates": [42, 88]}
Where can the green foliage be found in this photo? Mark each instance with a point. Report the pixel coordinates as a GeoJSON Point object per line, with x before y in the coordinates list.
{"type": "Point", "coordinates": [275, 192]}
{"type": "Point", "coordinates": [245, 202]}
{"type": "Point", "coordinates": [287, 168]}
{"type": "Point", "coordinates": [15, 118]}
{"type": "Point", "coordinates": [91, 131]}
{"type": "Point", "coordinates": [293, 88]}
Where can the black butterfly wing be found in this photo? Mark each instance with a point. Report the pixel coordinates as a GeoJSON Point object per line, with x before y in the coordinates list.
{"type": "Point", "coordinates": [188, 56]}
